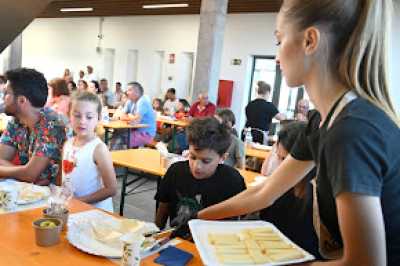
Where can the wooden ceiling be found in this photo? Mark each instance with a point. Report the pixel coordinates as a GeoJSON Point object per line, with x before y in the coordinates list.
{"type": "Point", "coordinates": [134, 7]}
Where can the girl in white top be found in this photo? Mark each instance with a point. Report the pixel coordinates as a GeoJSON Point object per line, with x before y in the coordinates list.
{"type": "Point", "coordinates": [87, 162]}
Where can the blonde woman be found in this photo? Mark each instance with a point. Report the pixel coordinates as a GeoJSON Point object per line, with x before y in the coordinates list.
{"type": "Point", "coordinates": [337, 50]}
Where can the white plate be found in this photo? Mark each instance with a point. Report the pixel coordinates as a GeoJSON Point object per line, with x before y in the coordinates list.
{"type": "Point", "coordinates": [80, 233]}
{"type": "Point", "coordinates": [45, 191]}
{"type": "Point", "coordinates": [200, 230]}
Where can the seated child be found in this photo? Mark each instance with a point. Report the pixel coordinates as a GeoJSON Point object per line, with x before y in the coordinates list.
{"type": "Point", "coordinates": [183, 109]}
{"type": "Point", "coordinates": [180, 137]}
{"type": "Point", "coordinates": [236, 155]}
{"type": "Point", "coordinates": [293, 212]}
{"type": "Point", "coordinates": [86, 161]}
{"type": "Point", "coordinates": [157, 105]}
{"type": "Point", "coordinates": [202, 180]}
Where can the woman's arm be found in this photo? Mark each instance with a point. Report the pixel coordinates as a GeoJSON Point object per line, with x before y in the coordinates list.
{"type": "Point", "coordinates": [288, 174]}
{"type": "Point", "coordinates": [102, 158]}
{"type": "Point", "coordinates": [363, 231]}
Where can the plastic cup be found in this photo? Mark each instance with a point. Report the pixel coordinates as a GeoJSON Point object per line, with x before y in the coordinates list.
{"type": "Point", "coordinates": [131, 249]}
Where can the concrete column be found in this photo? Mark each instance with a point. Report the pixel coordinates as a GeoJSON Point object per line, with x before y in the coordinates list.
{"type": "Point", "coordinates": [12, 56]}
{"type": "Point", "coordinates": [209, 48]}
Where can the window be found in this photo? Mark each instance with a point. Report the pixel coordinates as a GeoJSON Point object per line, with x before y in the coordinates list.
{"type": "Point", "coordinates": [284, 97]}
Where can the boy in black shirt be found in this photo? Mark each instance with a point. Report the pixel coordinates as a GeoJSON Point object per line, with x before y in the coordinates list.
{"type": "Point", "coordinates": [202, 180]}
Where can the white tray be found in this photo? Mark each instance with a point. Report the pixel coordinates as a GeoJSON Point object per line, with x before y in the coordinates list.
{"type": "Point", "coordinates": [80, 233]}
{"type": "Point", "coordinates": [200, 230]}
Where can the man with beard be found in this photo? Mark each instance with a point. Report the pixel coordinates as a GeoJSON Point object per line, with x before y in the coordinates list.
{"type": "Point", "coordinates": [30, 147]}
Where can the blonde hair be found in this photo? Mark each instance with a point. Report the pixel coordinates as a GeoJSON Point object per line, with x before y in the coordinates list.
{"type": "Point", "coordinates": [86, 96]}
{"type": "Point", "coordinates": [358, 44]}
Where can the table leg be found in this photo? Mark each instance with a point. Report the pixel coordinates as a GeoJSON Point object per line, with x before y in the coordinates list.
{"type": "Point", "coordinates": [173, 141]}
{"type": "Point", "coordinates": [123, 189]}
{"type": "Point", "coordinates": [106, 135]}
{"type": "Point", "coordinates": [129, 138]}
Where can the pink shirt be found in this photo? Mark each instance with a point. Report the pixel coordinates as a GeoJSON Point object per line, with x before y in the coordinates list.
{"type": "Point", "coordinates": [59, 104]}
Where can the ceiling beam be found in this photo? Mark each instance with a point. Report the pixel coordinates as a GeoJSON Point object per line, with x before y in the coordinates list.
{"type": "Point", "coordinates": [15, 15]}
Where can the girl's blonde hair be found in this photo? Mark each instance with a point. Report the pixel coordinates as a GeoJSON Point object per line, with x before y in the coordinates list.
{"type": "Point", "coordinates": [358, 33]}
{"type": "Point", "coordinates": [86, 96]}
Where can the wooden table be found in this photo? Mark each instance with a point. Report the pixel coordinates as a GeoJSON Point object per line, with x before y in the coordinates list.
{"type": "Point", "coordinates": [118, 124]}
{"type": "Point", "coordinates": [184, 245]}
{"type": "Point", "coordinates": [257, 153]}
{"type": "Point", "coordinates": [179, 123]}
{"type": "Point", "coordinates": [149, 161]}
{"type": "Point", "coordinates": [18, 247]}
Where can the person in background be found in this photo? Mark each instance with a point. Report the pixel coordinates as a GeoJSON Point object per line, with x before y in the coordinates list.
{"type": "Point", "coordinates": [81, 75]}
{"type": "Point", "coordinates": [260, 112]}
{"type": "Point", "coordinates": [3, 84]}
{"type": "Point", "coordinates": [180, 136]}
{"type": "Point", "coordinates": [292, 212]}
{"type": "Point", "coordinates": [171, 102]}
{"type": "Point", "coordinates": [30, 147]}
{"type": "Point", "coordinates": [183, 109]}
{"type": "Point", "coordinates": [58, 97]}
{"type": "Point", "coordinates": [118, 94]}
{"type": "Point", "coordinates": [338, 50]}
{"type": "Point", "coordinates": [106, 94]}
{"type": "Point", "coordinates": [236, 154]}
{"type": "Point", "coordinates": [157, 105]}
{"type": "Point", "coordinates": [68, 76]}
{"type": "Point", "coordinates": [142, 113]}
{"type": "Point", "coordinates": [82, 85]}
{"type": "Point", "coordinates": [202, 107]}
{"type": "Point", "coordinates": [93, 87]}
{"type": "Point", "coordinates": [202, 180]}
{"type": "Point", "coordinates": [71, 87]}
{"type": "Point", "coordinates": [87, 163]}
{"type": "Point", "coordinates": [90, 74]}
{"type": "Point", "coordinates": [303, 107]}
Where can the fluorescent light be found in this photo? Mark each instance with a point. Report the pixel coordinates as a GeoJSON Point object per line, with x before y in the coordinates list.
{"type": "Point", "coordinates": [77, 9]}
{"type": "Point", "coordinates": [164, 6]}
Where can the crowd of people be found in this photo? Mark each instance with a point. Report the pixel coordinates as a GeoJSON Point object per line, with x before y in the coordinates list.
{"type": "Point", "coordinates": [334, 172]}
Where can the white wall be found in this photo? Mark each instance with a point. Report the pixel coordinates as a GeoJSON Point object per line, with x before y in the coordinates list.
{"type": "Point", "coordinates": [51, 45]}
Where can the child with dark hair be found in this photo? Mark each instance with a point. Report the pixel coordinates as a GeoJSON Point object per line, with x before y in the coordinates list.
{"type": "Point", "coordinates": [183, 109]}
{"type": "Point", "coordinates": [202, 180]}
{"type": "Point", "coordinates": [236, 155]}
{"type": "Point", "coordinates": [292, 212]}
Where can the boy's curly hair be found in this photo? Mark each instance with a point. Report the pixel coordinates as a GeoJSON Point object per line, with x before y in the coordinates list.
{"type": "Point", "coordinates": [208, 133]}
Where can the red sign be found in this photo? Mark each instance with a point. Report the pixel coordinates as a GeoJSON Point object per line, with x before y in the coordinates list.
{"type": "Point", "coordinates": [171, 58]}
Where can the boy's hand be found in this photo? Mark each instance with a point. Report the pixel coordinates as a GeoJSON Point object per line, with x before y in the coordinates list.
{"type": "Point", "coordinates": [183, 217]}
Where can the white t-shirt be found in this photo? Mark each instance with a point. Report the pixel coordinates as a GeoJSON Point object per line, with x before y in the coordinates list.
{"type": "Point", "coordinates": [84, 175]}
{"type": "Point", "coordinates": [90, 77]}
{"type": "Point", "coordinates": [170, 107]}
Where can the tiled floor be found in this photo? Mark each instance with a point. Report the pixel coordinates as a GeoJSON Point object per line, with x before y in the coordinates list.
{"type": "Point", "coordinates": [140, 206]}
